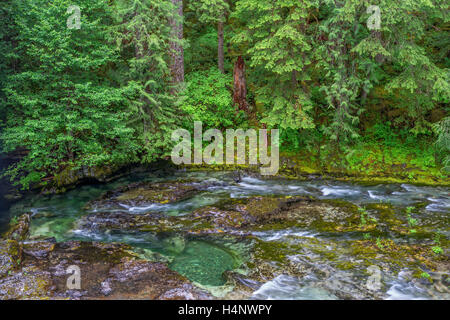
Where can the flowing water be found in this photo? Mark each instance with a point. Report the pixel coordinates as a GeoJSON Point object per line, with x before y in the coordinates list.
{"type": "Point", "coordinates": [204, 260]}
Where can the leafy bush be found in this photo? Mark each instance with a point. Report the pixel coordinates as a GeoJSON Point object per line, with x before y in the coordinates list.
{"type": "Point", "coordinates": [209, 100]}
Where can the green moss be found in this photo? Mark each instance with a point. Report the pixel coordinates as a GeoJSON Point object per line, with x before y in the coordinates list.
{"type": "Point", "coordinates": [346, 265]}
{"type": "Point", "coordinates": [271, 251]}
{"type": "Point", "coordinates": [414, 256]}
{"type": "Point", "coordinates": [298, 164]}
{"type": "Point", "coordinates": [69, 177]}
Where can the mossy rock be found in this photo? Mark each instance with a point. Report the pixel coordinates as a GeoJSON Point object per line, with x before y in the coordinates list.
{"type": "Point", "coordinates": [240, 217]}
{"type": "Point", "coordinates": [402, 255]}
{"type": "Point", "coordinates": [70, 177]}
{"type": "Point", "coordinates": [158, 193]}
{"type": "Point", "coordinates": [10, 257]}
{"type": "Point", "coordinates": [28, 283]}
{"type": "Point", "coordinates": [269, 213]}
{"type": "Point", "coordinates": [20, 228]}
{"type": "Point", "coordinates": [151, 222]}
{"type": "Point", "coordinates": [145, 193]}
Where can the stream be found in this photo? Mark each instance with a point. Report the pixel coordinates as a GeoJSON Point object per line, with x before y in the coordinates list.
{"type": "Point", "coordinates": [326, 265]}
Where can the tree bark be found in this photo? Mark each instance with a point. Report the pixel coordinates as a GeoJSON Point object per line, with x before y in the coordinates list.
{"type": "Point", "coordinates": [220, 50]}
{"type": "Point", "coordinates": [240, 86]}
{"type": "Point", "coordinates": [177, 51]}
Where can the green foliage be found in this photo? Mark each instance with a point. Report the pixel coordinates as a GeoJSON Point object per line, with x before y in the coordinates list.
{"type": "Point", "coordinates": [425, 275]}
{"type": "Point", "coordinates": [209, 100]}
{"type": "Point", "coordinates": [278, 48]}
{"type": "Point", "coordinates": [63, 107]}
{"type": "Point", "coordinates": [379, 243]}
{"type": "Point", "coordinates": [443, 143]}
{"type": "Point", "coordinates": [437, 250]}
{"type": "Point", "coordinates": [202, 20]}
{"type": "Point", "coordinates": [364, 216]}
{"type": "Point", "coordinates": [7, 33]}
{"type": "Point", "coordinates": [14, 220]}
{"type": "Point", "coordinates": [144, 36]}
{"type": "Point", "coordinates": [201, 53]}
{"type": "Point", "coordinates": [411, 221]}
{"type": "Point", "coordinates": [210, 11]}
{"type": "Point", "coordinates": [345, 97]}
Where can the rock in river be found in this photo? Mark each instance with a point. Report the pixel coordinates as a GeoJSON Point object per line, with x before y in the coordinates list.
{"type": "Point", "coordinates": [236, 217]}
{"type": "Point", "coordinates": [145, 193]}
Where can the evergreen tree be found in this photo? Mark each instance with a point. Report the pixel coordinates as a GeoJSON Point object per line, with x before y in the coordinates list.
{"type": "Point", "coordinates": [7, 59]}
{"type": "Point", "coordinates": [353, 59]}
{"type": "Point", "coordinates": [146, 36]}
{"type": "Point", "coordinates": [279, 49]}
{"type": "Point", "coordinates": [213, 12]}
{"type": "Point", "coordinates": [110, 91]}
{"type": "Point", "coordinates": [63, 106]}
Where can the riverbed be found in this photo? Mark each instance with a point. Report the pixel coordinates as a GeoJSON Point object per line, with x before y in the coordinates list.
{"type": "Point", "coordinates": [277, 260]}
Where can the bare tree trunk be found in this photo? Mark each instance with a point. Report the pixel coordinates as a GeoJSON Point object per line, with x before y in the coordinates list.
{"type": "Point", "coordinates": [220, 51]}
{"type": "Point", "coordinates": [177, 51]}
{"type": "Point", "coordinates": [240, 86]}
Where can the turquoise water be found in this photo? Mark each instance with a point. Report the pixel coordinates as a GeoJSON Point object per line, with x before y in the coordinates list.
{"type": "Point", "coordinates": [204, 263]}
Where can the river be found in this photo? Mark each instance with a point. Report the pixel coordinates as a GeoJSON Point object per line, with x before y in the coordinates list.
{"type": "Point", "coordinates": [327, 267]}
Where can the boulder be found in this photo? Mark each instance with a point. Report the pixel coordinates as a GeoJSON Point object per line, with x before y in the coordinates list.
{"type": "Point", "coordinates": [142, 194]}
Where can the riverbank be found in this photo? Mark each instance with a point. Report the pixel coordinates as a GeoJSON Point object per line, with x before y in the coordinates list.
{"type": "Point", "coordinates": [301, 166]}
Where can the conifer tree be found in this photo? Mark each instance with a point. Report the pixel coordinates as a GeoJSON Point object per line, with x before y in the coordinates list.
{"type": "Point", "coordinates": [63, 106]}
{"type": "Point", "coordinates": [279, 49]}
{"type": "Point", "coordinates": [146, 36]}
{"type": "Point", "coordinates": [213, 11]}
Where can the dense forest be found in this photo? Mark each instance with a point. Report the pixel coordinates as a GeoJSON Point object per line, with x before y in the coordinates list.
{"type": "Point", "coordinates": [100, 101]}
{"type": "Point", "coordinates": [108, 90]}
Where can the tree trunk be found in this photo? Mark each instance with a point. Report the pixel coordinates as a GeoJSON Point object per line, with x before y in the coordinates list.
{"type": "Point", "coordinates": [220, 52]}
{"type": "Point", "coordinates": [240, 86]}
{"type": "Point", "coordinates": [177, 52]}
